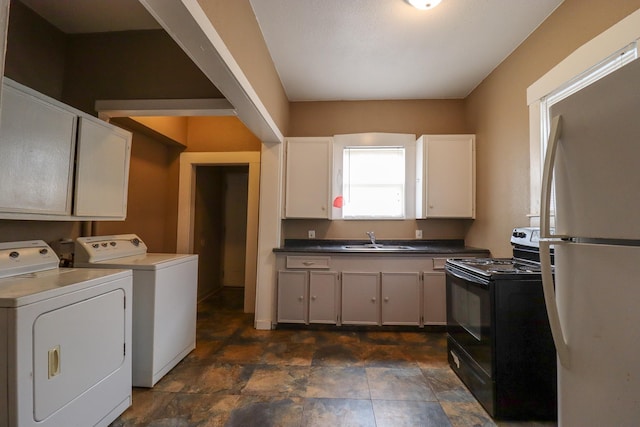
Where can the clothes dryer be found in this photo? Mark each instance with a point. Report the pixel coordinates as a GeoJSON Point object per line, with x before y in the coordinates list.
{"type": "Point", "coordinates": [65, 340]}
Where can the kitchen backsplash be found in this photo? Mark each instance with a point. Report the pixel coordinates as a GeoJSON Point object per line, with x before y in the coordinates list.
{"type": "Point", "coordinates": [354, 229]}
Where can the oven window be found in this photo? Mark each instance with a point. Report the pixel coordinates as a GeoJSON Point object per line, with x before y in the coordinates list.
{"type": "Point", "coordinates": [466, 310]}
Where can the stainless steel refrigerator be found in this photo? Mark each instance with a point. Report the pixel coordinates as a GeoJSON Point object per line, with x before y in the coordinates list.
{"type": "Point", "coordinates": [593, 296]}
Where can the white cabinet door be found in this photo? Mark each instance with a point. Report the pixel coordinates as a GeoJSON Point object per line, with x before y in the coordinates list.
{"type": "Point", "coordinates": [446, 169]}
{"type": "Point", "coordinates": [292, 297]}
{"type": "Point", "coordinates": [308, 178]}
{"type": "Point", "coordinates": [102, 173]}
{"type": "Point", "coordinates": [323, 297]}
{"type": "Point", "coordinates": [401, 298]}
{"type": "Point", "coordinates": [360, 298]}
{"type": "Point", "coordinates": [37, 146]}
{"type": "Point", "coordinates": [435, 298]}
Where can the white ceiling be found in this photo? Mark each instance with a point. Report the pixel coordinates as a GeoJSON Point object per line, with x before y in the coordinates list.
{"type": "Point", "coordinates": [386, 49]}
{"type": "Point", "coordinates": [355, 49]}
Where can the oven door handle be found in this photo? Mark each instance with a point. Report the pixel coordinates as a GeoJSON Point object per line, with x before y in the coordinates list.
{"type": "Point", "coordinates": [468, 278]}
{"type": "Point", "coordinates": [546, 240]}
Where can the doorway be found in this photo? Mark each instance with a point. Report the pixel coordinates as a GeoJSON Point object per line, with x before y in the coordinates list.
{"type": "Point", "coordinates": [189, 162]}
{"type": "Point", "coordinates": [220, 227]}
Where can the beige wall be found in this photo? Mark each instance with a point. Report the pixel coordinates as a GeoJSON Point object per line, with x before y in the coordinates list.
{"type": "Point", "coordinates": [220, 134]}
{"type": "Point", "coordinates": [236, 24]}
{"type": "Point", "coordinates": [130, 65]}
{"type": "Point", "coordinates": [497, 112]}
{"type": "Point", "coordinates": [148, 194]}
{"type": "Point", "coordinates": [35, 51]}
{"type": "Point", "coordinates": [412, 116]}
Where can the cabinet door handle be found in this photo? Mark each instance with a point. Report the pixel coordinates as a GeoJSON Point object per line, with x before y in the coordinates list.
{"type": "Point", "coordinates": [386, 299]}
{"type": "Point", "coordinates": [314, 297]}
{"type": "Point", "coordinates": [300, 298]}
{"type": "Point", "coordinates": [373, 299]}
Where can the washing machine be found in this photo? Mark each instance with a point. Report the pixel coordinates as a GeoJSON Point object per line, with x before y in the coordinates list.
{"type": "Point", "coordinates": [165, 288]}
{"type": "Point", "coordinates": [65, 340]}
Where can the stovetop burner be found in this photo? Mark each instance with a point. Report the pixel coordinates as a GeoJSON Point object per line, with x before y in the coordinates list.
{"type": "Point", "coordinates": [496, 266]}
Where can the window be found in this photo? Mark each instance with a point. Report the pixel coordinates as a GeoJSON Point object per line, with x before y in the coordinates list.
{"type": "Point", "coordinates": [373, 182]}
{"type": "Point", "coordinates": [610, 64]}
{"type": "Point", "coordinates": [561, 78]}
{"type": "Point", "coordinates": [374, 176]}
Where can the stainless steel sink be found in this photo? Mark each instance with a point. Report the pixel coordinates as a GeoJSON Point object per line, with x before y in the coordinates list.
{"type": "Point", "coordinates": [377, 247]}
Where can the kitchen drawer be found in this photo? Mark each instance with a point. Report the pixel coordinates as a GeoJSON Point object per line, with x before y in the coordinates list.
{"type": "Point", "coordinates": [309, 262]}
{"type": "Point", "coordinates": [438, 263]}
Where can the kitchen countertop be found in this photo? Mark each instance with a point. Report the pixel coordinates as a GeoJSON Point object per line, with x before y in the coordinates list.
{"type": "Point", "coordinates": [452, 246]}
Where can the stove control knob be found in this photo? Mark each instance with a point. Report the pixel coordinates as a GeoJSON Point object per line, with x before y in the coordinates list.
{"type": "Point", "coordinates": [112, 243]}
{"type": "Point", "coordinates": [519, 234]}
{"type": "Point", "coordinates": [96, 245]}
{"type": "Point", "coordinates": [44, 251]}
{"type": "Point", "coordinates": [104, 245]}
{"type": "Point", "coordinates": [136, 242]}
{"type": "Point", "coordinates": [14, 254]}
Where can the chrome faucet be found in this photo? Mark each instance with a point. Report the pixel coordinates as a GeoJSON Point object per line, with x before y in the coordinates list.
{"type": "Point", "coordinates": [372, 237]}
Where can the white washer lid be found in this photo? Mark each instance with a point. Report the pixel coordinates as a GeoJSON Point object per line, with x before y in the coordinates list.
{"type": "Point", "coordinates": [29, 288]}
{"type": "Point", "coordinates": [147, 261]}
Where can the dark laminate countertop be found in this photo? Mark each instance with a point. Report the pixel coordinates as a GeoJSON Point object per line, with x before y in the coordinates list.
{"type": "Point", "coordinates": [447, 247]}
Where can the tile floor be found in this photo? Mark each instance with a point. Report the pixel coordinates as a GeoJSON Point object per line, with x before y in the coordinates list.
{"type": "Point", "coordinates": [239, 376]}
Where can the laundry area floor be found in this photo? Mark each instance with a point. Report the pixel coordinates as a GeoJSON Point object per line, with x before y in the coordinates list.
{"type": "Point", "coordinates": [241, 377]}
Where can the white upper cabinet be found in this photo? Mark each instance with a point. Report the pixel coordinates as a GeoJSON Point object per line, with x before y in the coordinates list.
{"type": "Point", "coordinates": [308, 177]}
{"type": "Point", "coordinates": [37, 144]}
{"type": "Point", "coordinates": [445, 176]}
{"type": "Point", "coordinates": [102, 174]}
{"type": "Point", "coordinates": [42, 143]}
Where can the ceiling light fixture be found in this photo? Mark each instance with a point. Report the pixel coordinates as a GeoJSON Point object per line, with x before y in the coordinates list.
{"type": "Point", "coordinates": [424, 4]}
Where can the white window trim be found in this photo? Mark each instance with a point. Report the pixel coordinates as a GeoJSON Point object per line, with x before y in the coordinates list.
{"type": "Point", "coordinates": [408, 141]}
{"type": "Point", "coordinates": [585, 57]}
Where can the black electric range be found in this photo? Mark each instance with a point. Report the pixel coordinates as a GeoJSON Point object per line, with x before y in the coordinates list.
{"type": "Point", "coordinates": [498, 335]}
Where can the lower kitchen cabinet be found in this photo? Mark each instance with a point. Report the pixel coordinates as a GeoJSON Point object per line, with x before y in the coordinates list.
{"type": "Point", "coordinates": [361, 289]}
{"type": "Point", "coordinates": [435, 298]}
{"type": "Point", "coordinates": [308, 296]}
{"type": "Point", "coordinates": [292, 297]}
{"type": "Point", "coordinates": [400, 303]}
{"type": "Point", "coordinates": [360, 298]}
{"type": "Point", "coordinates": [323, 296]}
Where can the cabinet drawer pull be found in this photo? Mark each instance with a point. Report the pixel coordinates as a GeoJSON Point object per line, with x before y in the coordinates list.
{"type": "Point", "coordinates": [308, 262]}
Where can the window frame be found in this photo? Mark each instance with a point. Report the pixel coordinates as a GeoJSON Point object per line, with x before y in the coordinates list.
{"type": "Point", "coordinates": [621, 35]}
{"type": "Point", "coordinates": [406, 141]}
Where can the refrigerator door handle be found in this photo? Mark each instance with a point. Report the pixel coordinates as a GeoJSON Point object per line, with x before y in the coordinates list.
{"type": "Point", "coordinates": [547, 239]}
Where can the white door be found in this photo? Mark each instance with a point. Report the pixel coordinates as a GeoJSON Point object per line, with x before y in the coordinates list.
{"type": "Point", "coordinates": [599, 306]}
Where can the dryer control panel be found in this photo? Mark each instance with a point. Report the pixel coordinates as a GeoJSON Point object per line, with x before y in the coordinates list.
{"type": "Point", "coordinates": [26, 257]}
